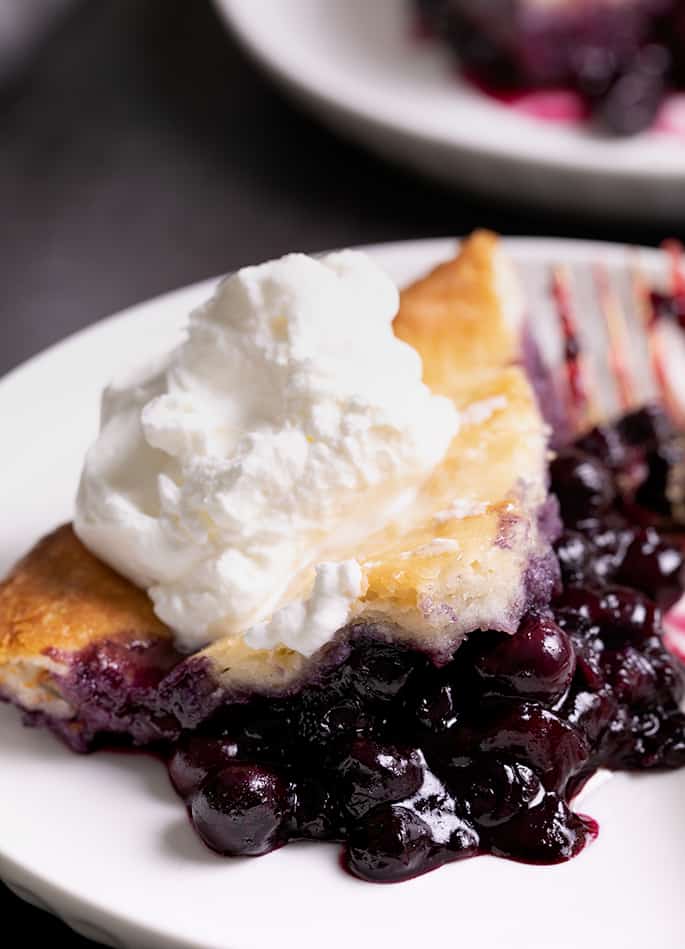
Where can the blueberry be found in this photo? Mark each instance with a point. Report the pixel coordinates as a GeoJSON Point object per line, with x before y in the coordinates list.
{"type": "Point", "coordinates": [645, 428]}
{"type": "Point", "coordinates": [577, 557]}
{"type": "Point", "coordinates": [622, 744]}
{"type": "Point", "coordinates": [577, 609]}
{"type": "Point", "coordinates": [589, 674]}
{"type": "Point", "coordinates": [262, 724]}
{"type": "Point", "coordinates": [594, 68]}
{"type": "Point", "coordinates": [590, 711]}
{"type": "Point", "coordinates": [630, 675]}
{"type": "Point", "coordinates": [435, 707]}
{"type": "Point", "coordinates": [391, 843]}
{"type": "Point", "coordinates": [197, 756]}
{"type": "Point", "coordinates": [537, 662]}
{"type": "Point", "coordinates": [584, 485]}
{"type": "Point", "coordinates": [669, 673]}
{"type": "Point", "coordinates": [526, 732]}
{"type": "Point", "coordinates": [372, 773]}
{"type": "Point", "coordinates": [379, 671]}
{"type": "Point", "coordinates": [241, 810]}
{"type": "Point", "coordinates": [670, 752]}
{"type": "Point", "coordinates": [325, 720]}
{"type": "Point", "coordinates": [631, 103]}
{"type": "Point", "coordinates": [315, 812]}
{"type": "Point", "coordinates": [661, 468]}
{"type": "Point", "coordinates": [627, 615]}
{"type": "Point", "coordinates": [604, 443]}
{"type": "Point", "coordinates": [546, 833]}
{"type": "Point", "coordinates": [495, 790]}
{"type": "Point", "coordinates": [655, 567]}
{"type": "Point", "coordinates": [593, 555]}
{"type": "Point", "coordinates": [612, 535]}
{"type": "Point", "coordinates": [449, 826]}
{"type": "Point", "coordinates": [653, 738]}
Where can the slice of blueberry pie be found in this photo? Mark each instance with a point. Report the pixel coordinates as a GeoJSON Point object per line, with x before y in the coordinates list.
{"type": "Point", "coordinates": [620, 56]}
{"type": "Point", "coordinates": [316, 566]}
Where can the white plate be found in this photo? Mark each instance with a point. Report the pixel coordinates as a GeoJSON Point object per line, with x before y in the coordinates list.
{"type": "Point", "coordinates": [355, 64]}
{"type": "Point", "coordinates": [103, 841]}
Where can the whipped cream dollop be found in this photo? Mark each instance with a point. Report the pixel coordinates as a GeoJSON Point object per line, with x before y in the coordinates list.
{"type": "Point", "coordinates": [233, 478]}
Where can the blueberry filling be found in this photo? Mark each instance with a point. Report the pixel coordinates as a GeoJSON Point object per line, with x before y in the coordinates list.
{"type": "Point", "coordinates": [409, 764]}
{"type": "Point", "coordinates": [412, 766]}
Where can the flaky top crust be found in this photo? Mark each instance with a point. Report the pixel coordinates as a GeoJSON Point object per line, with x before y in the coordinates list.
{"type": "Point", "coordinates": [457, 319]}
{"type": "Point", "coordinates": [60, 598]}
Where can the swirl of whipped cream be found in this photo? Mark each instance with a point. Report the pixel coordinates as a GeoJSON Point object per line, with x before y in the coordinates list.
{"type": "Point", "coordinates": [288, 425]}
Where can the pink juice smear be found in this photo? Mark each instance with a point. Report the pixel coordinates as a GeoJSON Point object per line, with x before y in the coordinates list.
{"type": "Point", "coordinates": [567, 107]}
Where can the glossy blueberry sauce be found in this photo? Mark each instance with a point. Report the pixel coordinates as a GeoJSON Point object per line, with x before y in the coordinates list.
{"type": "Point", "coordinates": [411, 766]}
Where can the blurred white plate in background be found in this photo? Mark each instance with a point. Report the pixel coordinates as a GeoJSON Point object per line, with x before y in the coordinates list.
{"type": "Point", "coordinates": [357, 65]}
{"type": "Point", "coordinates": [103, 841]}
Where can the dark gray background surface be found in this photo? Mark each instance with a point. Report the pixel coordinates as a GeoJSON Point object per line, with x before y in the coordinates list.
{"type": "Point", "coordinates": [141, 151]}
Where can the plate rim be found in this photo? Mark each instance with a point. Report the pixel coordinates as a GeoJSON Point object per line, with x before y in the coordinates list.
{"type": "Point", "coordinates": [235, 14]}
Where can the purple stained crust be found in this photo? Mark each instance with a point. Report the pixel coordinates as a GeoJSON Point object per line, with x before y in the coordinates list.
{"type": "Point", "coordinates": [191, 691]}
{"type": "Point", "coordinates": [114, 687]}
{"type": "Point", "coordinates": [74, 732]}
{"type": "Point", "coordinates": [549, 519]}
{"type": "Point", "coordinates": [145, 693]}
{"type": "Point", "coordinates": [542, 578]}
